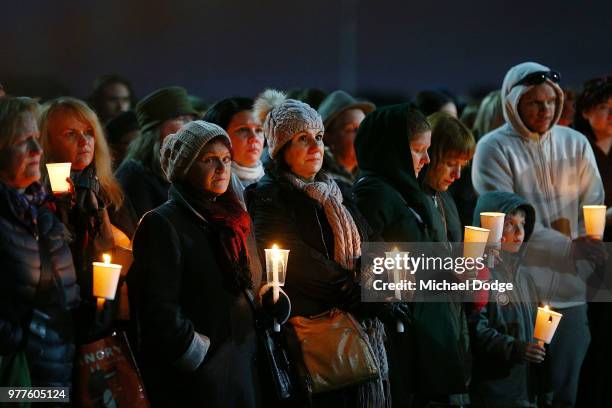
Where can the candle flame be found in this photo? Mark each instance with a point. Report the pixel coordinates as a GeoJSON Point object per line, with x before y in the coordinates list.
{"type": "Point", "coordinates": [274, 246]}
{"type": "Point", "coordinates": [546, 308]}
{"type": "Point", "coordinates": [107, 258]}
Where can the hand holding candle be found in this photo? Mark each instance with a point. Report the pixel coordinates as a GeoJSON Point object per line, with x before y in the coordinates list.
{"type": "Point", "coordinates": [546, 325]}
{"type": "Point", "coordinates": [105, 279]}
{"type": "Point", "coordinates": [594, 220]}
{"type": "Point", "coordinates": [276, 268]}
{"type": "Point", "coordinates": [396, 276]}
{"type": "Point", "coordinates": [58, 175]}
{"type": "Point", "coordinates": [494, 222]}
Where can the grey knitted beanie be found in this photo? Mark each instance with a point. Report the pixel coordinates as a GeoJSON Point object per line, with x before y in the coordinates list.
{"type": "Point", "coordinates": [282, 118]}
{"type": "Point", "coordinates": [181, 149]}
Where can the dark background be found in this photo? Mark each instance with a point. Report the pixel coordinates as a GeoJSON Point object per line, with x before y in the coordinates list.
{"type": "Point", "coordinates": [219, 48]}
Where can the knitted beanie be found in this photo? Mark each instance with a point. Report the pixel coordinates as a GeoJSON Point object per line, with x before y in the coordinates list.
{"type": "Point", "coordinates": [282, 118]}
{"type": "Point", "coordinates": [180, 150]}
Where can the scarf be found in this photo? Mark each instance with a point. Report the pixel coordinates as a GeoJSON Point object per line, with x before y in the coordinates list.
{"type": "Point", "coordinates": [25, 205]}
{"type": "Point", "coordinates": [248, 175]}
{"type": "Point", "coordinates": [226, 215]}
{"type": "Point", "coordinates": [347, 242]}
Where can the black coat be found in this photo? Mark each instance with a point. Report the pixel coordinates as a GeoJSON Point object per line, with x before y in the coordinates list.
{"type": "Point", "coordinates": [431, 360]}
{"type": "Point", "coordinates": [144, 190]}
{"type": "Point", "coordinates": [49, 358]}
{"type": "Point", "coordinates": [286, 216]}
{"type": "Point", "coordinates": [177, 289]}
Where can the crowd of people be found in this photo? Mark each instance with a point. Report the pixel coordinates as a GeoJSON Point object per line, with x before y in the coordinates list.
{"type": "Point", "coordinates": [197, 194]}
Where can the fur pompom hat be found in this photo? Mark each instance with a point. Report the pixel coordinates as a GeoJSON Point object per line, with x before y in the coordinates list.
{"type": "Point", "coordinates": [282, 118]}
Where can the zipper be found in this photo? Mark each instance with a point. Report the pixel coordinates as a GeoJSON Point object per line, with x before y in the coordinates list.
{"type": "Point", "coordinates": [321, 232]}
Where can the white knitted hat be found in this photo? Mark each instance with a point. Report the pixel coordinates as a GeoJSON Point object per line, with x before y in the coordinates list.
{"type": "Point", "coordinates": [182, 148]}
{"type": "Point", "coordinates": [282, 118]}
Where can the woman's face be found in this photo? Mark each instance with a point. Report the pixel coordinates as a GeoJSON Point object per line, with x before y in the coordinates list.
{"type": "Point", "coordinates": [20, 162]}
{"type": "Point", "coordinates": [70, 140]}
{"type": "Point", "coordinates": [247, 137]}
{"type": "Point", "coordinates": [418, 148]}
{"type": "Point", "coordinates": [211, 171]}
{"type": "Point", "coordinates": [600, 119]}
{"type": "Point", "coordinates": [304, 153]}
{"type": "Point", "coordinates": [446, 172]}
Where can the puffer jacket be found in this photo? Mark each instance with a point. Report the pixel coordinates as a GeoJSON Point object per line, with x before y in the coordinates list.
{"type": "Point", "coordinates": [49, 357]}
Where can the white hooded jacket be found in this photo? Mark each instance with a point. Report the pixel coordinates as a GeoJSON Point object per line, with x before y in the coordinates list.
{"type": "Point", "coordinates": [555, 172]}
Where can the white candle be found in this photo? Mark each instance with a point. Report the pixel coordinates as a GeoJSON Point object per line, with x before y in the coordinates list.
{"type": "Point", "coordinates": [494, 222]}
{"type": "Point", "coordinates": [105, 278]}
{"type": "Point", "coordinates": [475, 240]}
{"type": "Point", "coordinates": [546, 325]}
{"type": "Point", "coordinates": [276, 268]}
{"type": "Point", "coordinates": [58, 173]}
{"type": "Point", "coordinates": [594, 220]}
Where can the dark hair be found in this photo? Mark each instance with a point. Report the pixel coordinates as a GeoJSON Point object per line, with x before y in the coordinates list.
{"type": "Point", "coordinates": [417, 122]}
{"type": "Point", "coordinates": [101, 82]}
{"type": "Point", "coordinates": [221, 112]}
{"type": "Point", "coordinates": [311, 96]}
{"type": "Point", "coordinates": [430, 102]}
{"type": "Point", "coordinates": [594, 92]}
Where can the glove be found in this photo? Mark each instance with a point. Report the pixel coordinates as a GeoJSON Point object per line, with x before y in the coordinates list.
{"type": "Point", "coordinates": [281, 310]}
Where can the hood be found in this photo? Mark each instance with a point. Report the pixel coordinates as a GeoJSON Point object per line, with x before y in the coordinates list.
{"type": "Point", "coordinates": [512, 94]}
{"type": "Point", "coordinates": [382, 147]}
{"type": "Point", "coordinates": [505, 202]}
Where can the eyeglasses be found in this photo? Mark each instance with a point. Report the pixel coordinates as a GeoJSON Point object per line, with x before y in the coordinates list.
{"type": "Point", "coordinates": [537, 78]}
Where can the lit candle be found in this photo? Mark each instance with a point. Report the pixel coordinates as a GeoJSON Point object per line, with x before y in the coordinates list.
{"type": "Point", "coordinates": [594, 220]}
{"type": "Point", "coordinates": [494, 222]}
{"type": "Point", "coordinates": [105, 278]}
{"type": "Point", "coordinates": [58, 173]}
{"type": "Point", "coordinates": [546, 325]}
{"type": "Point", "coordinates": [475, 240]}
{"type": "Point", "coordinates": [276, 268]}
{"type": "Point", "coordinates": [397, 275]}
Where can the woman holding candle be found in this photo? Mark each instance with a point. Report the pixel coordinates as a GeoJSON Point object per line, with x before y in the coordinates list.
{"type": "Point", "coordinates": [430, 360]}
{"type": "Point", "coordinates": [39, 289]}
{"type": "Point", "coordinates": [302, 209]}
{"type": "Point", "coordinates": [502, 331]}
{"type": "Point", "coordinates": [70, 132]}
{"type": "Point", "coordinates": [194, 257]}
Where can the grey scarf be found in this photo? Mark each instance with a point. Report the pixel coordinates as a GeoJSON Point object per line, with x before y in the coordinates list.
{"type": "Point", "coordinates": [347, 242]}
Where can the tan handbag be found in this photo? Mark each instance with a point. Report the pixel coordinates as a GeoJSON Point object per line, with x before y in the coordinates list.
{"type": "Point", "coordinates": [331, 351]}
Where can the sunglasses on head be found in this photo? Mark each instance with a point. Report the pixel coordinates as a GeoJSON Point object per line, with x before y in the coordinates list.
{"type": "Point", "coordinates": [537, 78]}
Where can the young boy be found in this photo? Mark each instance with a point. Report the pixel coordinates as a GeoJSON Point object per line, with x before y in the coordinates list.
{"type": "Point", "coordinates": [505, 352]}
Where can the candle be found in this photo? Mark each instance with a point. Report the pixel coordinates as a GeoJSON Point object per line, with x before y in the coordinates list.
{"type": "Point", "coordinates": [58, 173]}
{"type": "Point", "coordinates": [276, 268]}
{"type": "Point", "coordinates": [546, 325]}
{"type": "Point", "coordinates": [105, 278]}
{"type": "Point", "coordinates": [475, 240]}
{"type": "Point", "coordinates": [397, 275]}
{"type": "Point", "coordinates": [494, 222]}
{"type": "Point", "coordinates": [594, 220]}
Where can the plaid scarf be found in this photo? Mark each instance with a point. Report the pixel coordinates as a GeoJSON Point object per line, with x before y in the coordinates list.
{"type": "Point", "coordinates": [25, 205]}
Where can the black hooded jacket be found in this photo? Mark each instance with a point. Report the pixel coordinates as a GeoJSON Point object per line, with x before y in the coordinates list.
{"type": "Point", "coordinates": [432, 361]}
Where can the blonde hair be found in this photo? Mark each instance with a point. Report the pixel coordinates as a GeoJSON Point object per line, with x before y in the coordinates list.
{"type": "Point", "coordinates": [490, 114]}
{"type": "Point", "coordinates": [111, 191]}
{"type": "Point", "coordinates": [11, 111]}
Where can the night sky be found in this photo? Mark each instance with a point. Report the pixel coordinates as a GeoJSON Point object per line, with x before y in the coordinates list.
{"type": "Point", "coordinates": [222, 48]}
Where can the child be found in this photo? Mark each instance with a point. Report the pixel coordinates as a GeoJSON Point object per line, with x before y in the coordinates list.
{"type": "Point", "coordinates": [505, 353]}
